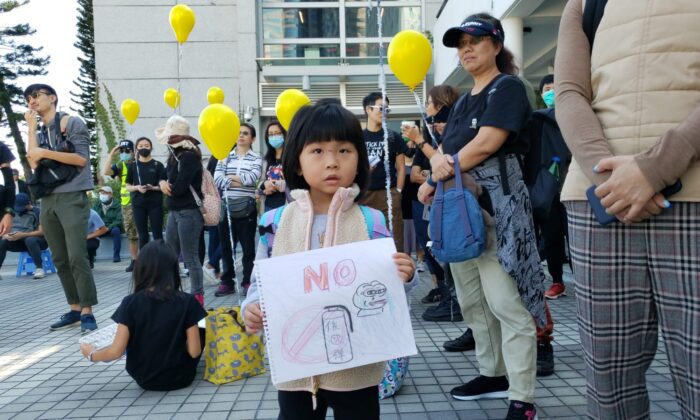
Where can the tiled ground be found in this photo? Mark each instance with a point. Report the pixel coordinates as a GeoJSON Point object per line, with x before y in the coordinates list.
{"type": "Point", "coordinates": [43, 375]}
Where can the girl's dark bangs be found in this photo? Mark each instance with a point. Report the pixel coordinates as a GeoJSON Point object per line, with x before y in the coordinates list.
{"type": "Point", "coordinates": [330, 123]}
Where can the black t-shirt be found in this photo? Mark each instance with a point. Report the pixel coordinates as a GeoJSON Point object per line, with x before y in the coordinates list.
{"type": "Point", "coordinates": [507, 107]}
{"type": "Point", "coordinates": [374, 140]}
{"type": "Point", "coordinates": [147, 173]}
{"type": "Point", "coordinates": [157, 347]}
{"type": "Point", "coordinates": [408, 195]}
{"type": "Point", "coordinates": [421, 160]}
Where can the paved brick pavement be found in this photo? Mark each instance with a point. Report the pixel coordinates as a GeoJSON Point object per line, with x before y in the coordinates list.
{"type": "Point", "coordinates": [43, 375]}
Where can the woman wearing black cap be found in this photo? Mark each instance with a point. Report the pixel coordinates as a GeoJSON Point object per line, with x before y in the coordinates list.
{"type": "Point", "coordinates": [502, 290]}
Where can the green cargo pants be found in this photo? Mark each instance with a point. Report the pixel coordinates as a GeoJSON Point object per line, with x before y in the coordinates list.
{"type": "Point", "coordinates": [64, 220]}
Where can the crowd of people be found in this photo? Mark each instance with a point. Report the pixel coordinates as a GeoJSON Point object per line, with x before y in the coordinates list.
{"type": "Point", "coordinates": [635, 273]}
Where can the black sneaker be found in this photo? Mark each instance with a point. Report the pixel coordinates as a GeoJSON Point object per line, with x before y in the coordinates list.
{"type": "Point", "coordinates": [432, 296]}
{"type": "Point", "coordinates": [519, 410]}
{"type": "Point", "coordinates": [130, 268]}
{"type": "Point", "coordinates": [462, 343]}
{"type": "Point", "coordinates": [448, 310]}
{"type": "Point", "coordinates": [482, 387]}
{"type": "Point", "coordinates": [69, 319]}
{"type": "Point", "coordinates": [545, 359]}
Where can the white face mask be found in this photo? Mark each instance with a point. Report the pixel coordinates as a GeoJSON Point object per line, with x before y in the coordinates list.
{"type": "Point", "coordinates": [104, 198]}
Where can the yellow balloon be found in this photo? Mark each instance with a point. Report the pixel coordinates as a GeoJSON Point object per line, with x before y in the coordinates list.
{"type": "Point", "coordinates": [410, 55]}
{"type": "Point", "coordinates": [219, 127]}
{"type": "Point", "coordinates": [288, 103]}
{"type": "Point", "coordinates": [182, 22]}
{"type": "Point", "coordinates": [215, 95]}
{"type": "Point", "coordinates": [130, 110]}
{"type": "Point", "coordinates": [171, 97]}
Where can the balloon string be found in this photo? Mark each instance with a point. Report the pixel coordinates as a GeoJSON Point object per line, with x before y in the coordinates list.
{"type": "Point", "coordinates": [424, 117]}
{"type": "Point", "coordinates": [385, 128]}
{"type": "Point", "coordinates": [236, 279]}
{"type": "Point", "coordinates": [179, 70]}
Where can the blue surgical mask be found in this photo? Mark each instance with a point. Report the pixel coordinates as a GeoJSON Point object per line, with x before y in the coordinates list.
{"type": "Point", "coordinates": [276, 141]}
{"type": "Point", "coordinates": [104, 198]}
{"type": "Point", "coordinates": [125, 156]}
{"type": "Point", "coordinates": [548, 98]}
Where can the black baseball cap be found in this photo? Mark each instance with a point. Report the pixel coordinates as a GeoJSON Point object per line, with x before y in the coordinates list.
{"type": "Point", "coordinates": [126, 144]}
{"type": "Point", "coordinates": [40, 86]}
{"type": "Point", "coordinates": [474, 27]}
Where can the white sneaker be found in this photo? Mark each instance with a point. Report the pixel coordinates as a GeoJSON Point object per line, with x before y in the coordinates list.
{"type": "Point", "coordinates": [39, 273]}
{"type": "Point", "coordinates": [209, 275]}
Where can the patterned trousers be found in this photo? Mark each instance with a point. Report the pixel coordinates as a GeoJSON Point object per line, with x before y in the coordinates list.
{"type": "Point", "coordinates": [629, 281]}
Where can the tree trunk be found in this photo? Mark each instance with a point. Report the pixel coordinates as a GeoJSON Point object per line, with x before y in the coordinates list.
{"type": "Point", "coordinates": [14, 129]}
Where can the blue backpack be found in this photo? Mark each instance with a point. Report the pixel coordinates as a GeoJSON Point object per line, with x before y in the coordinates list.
{"type": "Point", "coordinates": [456, 224]}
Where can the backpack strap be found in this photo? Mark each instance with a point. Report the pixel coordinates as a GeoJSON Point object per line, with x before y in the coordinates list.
{"type": "Point", "coordinates": [375, 222]}
{"type": "Point", "coordinates": [62, 126]}
{"type": "Point", "coordinates": [495, 86]}
{"type": "Point", "coordinates": [503, 169]}
{"type": "Point", "coordinates": [267, 227]}
{"type": "Point", "coordinates": [592, 15]}
{"type": "Point", "coordinates": [369, 220]}
{"type": "Point", "coordinates": [59, 130]}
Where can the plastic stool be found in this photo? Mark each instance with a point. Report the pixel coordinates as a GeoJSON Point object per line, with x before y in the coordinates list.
{"type": "Point", "coordinates": [25, 263]}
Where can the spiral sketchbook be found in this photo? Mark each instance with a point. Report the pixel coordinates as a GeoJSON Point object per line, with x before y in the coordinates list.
{"type": "Point", "coordinates": [100, 338]}
{"type": "Point", "coordinates": [333, 308]}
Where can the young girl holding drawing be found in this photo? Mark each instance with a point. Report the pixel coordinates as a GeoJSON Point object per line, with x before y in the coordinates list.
{"type": "Point", "coordinates": [325, 164]}
{"type": "Point", "coordinates": [157, 325]}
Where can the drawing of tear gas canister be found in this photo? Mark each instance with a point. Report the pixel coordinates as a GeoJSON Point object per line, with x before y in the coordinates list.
{"type": "Point", "coordinates": [336, 319]}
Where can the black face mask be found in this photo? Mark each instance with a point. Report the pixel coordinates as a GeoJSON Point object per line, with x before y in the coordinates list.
{"type": "Point", "coordinates": [144, 152]}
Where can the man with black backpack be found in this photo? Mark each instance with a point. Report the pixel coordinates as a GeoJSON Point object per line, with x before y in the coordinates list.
{"type": "Point", "coordinates": [65, 207]}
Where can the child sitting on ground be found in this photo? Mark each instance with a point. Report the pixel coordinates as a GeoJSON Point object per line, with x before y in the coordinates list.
{"type": "Point", "coordinates": [157, 325]}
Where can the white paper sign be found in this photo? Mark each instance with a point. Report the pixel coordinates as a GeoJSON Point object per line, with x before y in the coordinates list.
{"type": "Point", "coordinates": [333, 308]}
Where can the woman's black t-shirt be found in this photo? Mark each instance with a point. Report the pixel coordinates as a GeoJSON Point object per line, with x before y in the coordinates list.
{"type": "Point", "coordinates": [157, 349]}
{"type": "Point", "coordinates": [151, 172]}
{"type": "Point", "coordinates": [506, 106]}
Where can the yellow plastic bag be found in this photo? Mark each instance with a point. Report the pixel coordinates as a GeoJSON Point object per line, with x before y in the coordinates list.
{"type": "Point", "coordinates": [230, 354]}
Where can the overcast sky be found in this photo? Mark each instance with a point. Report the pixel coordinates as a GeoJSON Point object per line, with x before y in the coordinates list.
{"type": "Point", "coordinates": [55, 24]}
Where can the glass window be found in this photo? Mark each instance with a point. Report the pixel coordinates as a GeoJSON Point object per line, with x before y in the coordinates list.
{"type": "Point", "coordinates": [394, 19]}
{"type": "Point", "coordinates": [364, 49]}
{"type": "Point", "coordinates": [301, 50]}
{"type": "Point", "coordinates": [300, 23]}
{"type": "Point", "coordinates": [271, 2]}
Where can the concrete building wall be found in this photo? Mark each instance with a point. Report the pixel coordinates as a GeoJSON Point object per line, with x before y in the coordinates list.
{"type": "Point", "coordinates": [137, 57]}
